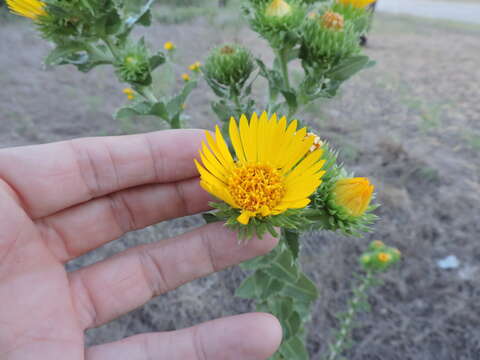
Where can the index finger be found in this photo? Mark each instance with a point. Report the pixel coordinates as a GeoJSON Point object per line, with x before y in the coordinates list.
{"type": "Point", "coordinates": [52, 177]}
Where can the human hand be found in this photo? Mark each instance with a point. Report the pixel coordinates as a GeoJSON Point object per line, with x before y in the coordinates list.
{"type": "Point", "coordinates": [62, 200]}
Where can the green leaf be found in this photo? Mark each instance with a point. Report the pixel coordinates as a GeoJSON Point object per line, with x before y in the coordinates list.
{"type": "Point", "coordinates": [222, 110]}
{"type": "Point", "coordinates": [59, 55]}
{"type": "Point", "coordinates": [210, 218]}
{"type": "Point", "coordinates": [292, 241]}
{"type": "Point", "coordinates": [247, 289]}
{"type": "Point", "coordinates": [174, 106]}
{"type": "Point", "coordinates": [302, 289]}
{"type": "Point", "coordinates": [349, 67]}
{"type": "Point", "coordinates": [294, 349]}
{"type": "Point", "coordinates": [291, 99]}
{"type": "Point", "coordinates": [283, 267]}
{"type": "Point", "coordinates": [159, 109]}
{"type": "Point", "coordinates": [156, 60]}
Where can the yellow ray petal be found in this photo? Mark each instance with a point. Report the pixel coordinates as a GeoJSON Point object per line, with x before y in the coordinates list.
{"type": "Point", "coordinates": [222, 145]}
{"type": "Point", "coordinates": [236, 140]}
{"type": "Point", "coordinates": [245, 136]}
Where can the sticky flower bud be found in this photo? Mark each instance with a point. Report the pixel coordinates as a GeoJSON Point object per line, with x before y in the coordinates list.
{"type": "Point", "coordinates": [353, 195]}
{"type": "Point", "coordinates": [278, 8]}
{"type": "Point", "coordinates": [134, 66]}
{"type": "Point", "coordinates": [229, 65]}
{"type": "Point", "coordinates": [332, 20]}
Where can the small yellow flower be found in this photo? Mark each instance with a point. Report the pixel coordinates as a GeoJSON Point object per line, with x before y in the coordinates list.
{"type": "Point", "coordinates": [353, 194]}
{"type": "Point", "coordinates": [130, 93]}
{"type": "Point", "coordinates": [273, 170]}
{"type": "Point", "coordinates": [195, 66]}
{"type": "Point", "coordinates": [184, 106]}
{"type": "Point", "coordinates": [169, 46]}
{"type": "Point", "coordinates": [332, 20]}
{"type": "Point", "coordinates": [278, 8]}
{"type": "Point", "coordinates": [32, 9]}
{"type": "Point", "coordinates": [186, 77]}
{"type": "Point", "coordinates": [384, 257]}
{"type": "Point", "coordinates": [359, 4]}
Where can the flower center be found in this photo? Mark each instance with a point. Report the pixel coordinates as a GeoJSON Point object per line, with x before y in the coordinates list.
{"type": "Point", "coordinates": [256, 187]}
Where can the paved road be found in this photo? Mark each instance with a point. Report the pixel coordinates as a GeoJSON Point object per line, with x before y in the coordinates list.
{"type": "Point", "coordinates": [456, 11]}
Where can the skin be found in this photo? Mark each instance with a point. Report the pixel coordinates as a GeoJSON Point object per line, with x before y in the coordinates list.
{"type": "Point", "coordinates": [61, 200]}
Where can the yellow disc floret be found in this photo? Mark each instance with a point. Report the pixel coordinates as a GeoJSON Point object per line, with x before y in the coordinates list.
{"type": "Point", "coordinates": [32, 9]}
{"type": "Point", "coordinates": [273, 170]}
{"type": "Point", "coordinates": [257, 188]}
{"type": "Point", "coordinates": [332, 20]}
{"type": "Point", "coordinates": [384, 257]}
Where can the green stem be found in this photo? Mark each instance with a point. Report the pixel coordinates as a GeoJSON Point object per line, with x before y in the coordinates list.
{"type": "Point", "coordinates": [347, 323]}
{"type": "Point", "coordinates": [147, 92]}
{"type": "Point", "coordinates": [111, 46]}
{"type": "Point", "coordinates": [282, 59]}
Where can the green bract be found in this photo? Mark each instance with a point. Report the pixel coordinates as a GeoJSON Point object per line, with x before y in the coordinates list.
{"type": "Point", "coordinates": [229, 65]}
{"type": "Point", "coordinates": [324, 48]}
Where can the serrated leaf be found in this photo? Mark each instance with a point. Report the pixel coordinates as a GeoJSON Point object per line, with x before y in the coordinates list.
{"type": "Point", "coordinates": [283, 267]}
{"type": "Point", "coordinates": [302, 289]}
{"type": "Point", "coordinates": [294, 349]}
{"type": "Point", "coordinates": [292, 241]}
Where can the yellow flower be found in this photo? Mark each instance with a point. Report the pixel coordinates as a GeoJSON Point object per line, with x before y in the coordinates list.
{"type": "Point", "coordinates": [169, 46]}
{"type": "Point", "coordinates": [332, 20]}
{"type": "Point", "coordinates": [384, 257]}
{"type": "Point", "coordinates": [32, 9]}
{"type": "Point", "coordinates": [278, 8]}
{"type": "Point", "coordinates": [353, 194]}
{"type": "Point", "coordinates": [186, 77]}
{"type": "Point", "coordinates": [130, 93]}
{"type": "Point", "coordinates": [359, 4]}
{"type": "Point", "coordinates": [273, 170]}
{"type": "Point", "coordinates": [195, 66]}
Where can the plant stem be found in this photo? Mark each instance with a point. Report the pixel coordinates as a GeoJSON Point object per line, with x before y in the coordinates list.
{"type": "Point", "coordinates": [147, 92]}
{"type": "Point", "coordinates": [282, 59]}
{"type": "Point", "coordinates": [111, 47]}
{"type": "Point", "coordinates": [347, 325]}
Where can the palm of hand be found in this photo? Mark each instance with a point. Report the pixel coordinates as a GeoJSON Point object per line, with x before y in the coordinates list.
{"type": "Point", "coordinates": [62, 200]}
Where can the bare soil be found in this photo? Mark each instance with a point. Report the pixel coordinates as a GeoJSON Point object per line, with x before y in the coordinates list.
{"type": "Point", "coordinates": [412, 124]}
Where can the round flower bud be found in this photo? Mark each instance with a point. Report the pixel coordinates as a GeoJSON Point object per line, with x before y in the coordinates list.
{"type": "Point", "coordinates": [134, 66]}
{"type": "Point", "coordinates": [278, 8]}
{"type": "Point", "coordinates": [169, 46]}
{"type": "Point", "coordinates": [229, 65]}
{"type": "Point", "coordinates": [327, 40]}
{"type": "Point", "coordinates": [353, 195]}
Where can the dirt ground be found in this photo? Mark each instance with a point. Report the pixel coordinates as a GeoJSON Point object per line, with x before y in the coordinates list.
{"type": "Point", "coordinates": [412, 124]}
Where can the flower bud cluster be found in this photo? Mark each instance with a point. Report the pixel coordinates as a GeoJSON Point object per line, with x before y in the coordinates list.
{"type": "Point", "coordinates": [379, 257]}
